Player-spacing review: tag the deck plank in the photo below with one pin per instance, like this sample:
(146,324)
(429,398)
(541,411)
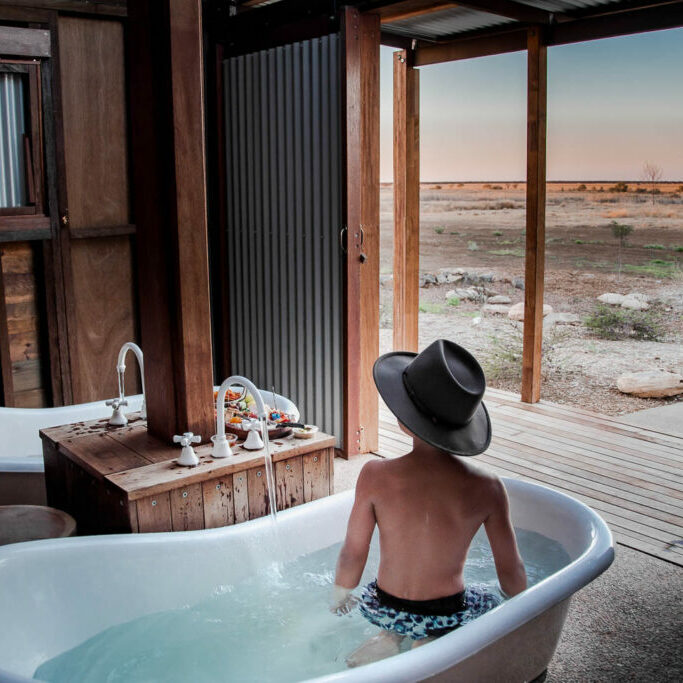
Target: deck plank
(632,476)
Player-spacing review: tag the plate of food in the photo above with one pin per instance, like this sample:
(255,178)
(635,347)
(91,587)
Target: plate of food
(241,406)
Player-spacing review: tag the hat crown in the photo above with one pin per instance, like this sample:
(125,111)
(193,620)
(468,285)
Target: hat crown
(445,382)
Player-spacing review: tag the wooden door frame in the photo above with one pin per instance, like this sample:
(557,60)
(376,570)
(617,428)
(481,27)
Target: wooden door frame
(360,118)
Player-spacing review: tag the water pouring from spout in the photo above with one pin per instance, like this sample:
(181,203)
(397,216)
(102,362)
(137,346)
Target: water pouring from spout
(221,447)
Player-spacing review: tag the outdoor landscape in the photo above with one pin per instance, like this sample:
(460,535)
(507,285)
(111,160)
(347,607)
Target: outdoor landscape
(623,238)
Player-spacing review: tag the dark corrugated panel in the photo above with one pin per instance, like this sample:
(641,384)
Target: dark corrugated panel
(284,164)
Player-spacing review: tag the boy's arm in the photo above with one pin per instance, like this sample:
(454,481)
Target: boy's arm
(501,535)
(354,552)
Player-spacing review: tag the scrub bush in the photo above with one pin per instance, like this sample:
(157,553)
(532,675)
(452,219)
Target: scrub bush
(606,322)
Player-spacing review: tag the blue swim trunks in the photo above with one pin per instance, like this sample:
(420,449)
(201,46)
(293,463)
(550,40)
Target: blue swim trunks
(425,618)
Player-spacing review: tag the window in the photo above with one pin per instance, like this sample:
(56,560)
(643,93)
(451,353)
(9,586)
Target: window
(21,163)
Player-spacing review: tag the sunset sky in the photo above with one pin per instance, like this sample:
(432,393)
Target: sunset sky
(613,105)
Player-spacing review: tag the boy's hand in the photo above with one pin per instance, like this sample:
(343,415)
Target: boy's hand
(342,600)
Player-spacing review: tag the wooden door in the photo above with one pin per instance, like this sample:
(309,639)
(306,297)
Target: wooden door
(94,204)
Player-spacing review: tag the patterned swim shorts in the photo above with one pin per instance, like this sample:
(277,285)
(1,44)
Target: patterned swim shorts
(477,600)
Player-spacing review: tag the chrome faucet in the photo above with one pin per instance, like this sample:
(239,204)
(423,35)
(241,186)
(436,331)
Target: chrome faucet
(118,418)
(221,447)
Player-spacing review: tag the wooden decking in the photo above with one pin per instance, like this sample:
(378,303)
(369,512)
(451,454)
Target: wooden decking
(631,475)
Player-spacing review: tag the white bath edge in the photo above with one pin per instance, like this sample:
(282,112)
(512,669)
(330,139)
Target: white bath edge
(429,660)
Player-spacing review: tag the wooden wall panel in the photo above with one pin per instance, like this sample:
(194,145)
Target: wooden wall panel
(100,296)
(91,53)
(102,271)
(23,332)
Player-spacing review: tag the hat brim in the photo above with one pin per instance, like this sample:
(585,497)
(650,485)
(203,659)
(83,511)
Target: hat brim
(472,439)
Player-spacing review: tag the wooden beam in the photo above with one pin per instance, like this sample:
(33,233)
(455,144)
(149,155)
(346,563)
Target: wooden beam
(24,42)
(361,90)
(100,8)
(406,202)
(394,40)
(513,41)
(618,24)
(535,216)
(167,131)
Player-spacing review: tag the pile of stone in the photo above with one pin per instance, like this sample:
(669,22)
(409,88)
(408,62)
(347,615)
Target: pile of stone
(634,301)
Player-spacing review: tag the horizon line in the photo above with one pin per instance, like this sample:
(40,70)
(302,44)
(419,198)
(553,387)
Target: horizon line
(508,182)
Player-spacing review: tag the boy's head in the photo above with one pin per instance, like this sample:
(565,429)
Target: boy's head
(436,395)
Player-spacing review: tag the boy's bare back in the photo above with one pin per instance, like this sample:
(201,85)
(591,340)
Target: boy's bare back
(428,505)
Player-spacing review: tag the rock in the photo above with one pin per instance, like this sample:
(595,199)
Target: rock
(651,383)
(634,304)
(495,308)
(587,276)
(441,278)
(564,318)
(427,279)
(518,283)
(453,278)
(500,299)
(517,311)
(469,294)
(611,298)
(639,296)
(386,280)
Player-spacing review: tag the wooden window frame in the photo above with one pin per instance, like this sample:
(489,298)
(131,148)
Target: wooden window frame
(30,222)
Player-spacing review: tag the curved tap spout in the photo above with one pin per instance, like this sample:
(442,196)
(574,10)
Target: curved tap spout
(121,370)
(220,442)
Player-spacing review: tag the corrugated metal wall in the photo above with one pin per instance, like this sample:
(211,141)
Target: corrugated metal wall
(284,180)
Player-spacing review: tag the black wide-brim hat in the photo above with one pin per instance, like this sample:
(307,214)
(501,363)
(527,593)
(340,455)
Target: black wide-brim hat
(437,395)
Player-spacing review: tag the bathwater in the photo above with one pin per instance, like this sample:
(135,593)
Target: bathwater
(273,626)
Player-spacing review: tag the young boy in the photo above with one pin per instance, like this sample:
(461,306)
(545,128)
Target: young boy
(428,505)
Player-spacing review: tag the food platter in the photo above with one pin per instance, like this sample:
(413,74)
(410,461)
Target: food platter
(242,407)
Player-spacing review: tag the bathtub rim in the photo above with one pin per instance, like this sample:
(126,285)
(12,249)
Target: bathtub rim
(430,659)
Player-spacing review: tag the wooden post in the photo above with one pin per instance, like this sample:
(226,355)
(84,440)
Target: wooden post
(167,131)
(406,202)
(361,410)
(535,216)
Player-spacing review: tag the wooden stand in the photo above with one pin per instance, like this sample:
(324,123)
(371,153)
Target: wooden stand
(123,479)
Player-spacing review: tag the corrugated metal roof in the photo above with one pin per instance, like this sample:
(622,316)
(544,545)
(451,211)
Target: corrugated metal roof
(451,21)
(445,23)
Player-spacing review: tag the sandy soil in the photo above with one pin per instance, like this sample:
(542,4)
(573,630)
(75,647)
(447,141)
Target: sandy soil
(480,228)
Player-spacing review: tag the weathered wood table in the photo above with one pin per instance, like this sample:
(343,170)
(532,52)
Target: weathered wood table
(122,479)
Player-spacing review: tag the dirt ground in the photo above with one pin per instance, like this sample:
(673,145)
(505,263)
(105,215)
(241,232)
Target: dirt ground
(479,229)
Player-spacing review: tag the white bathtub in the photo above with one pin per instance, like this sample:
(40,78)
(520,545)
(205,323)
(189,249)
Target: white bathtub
(54,594)
(22,479)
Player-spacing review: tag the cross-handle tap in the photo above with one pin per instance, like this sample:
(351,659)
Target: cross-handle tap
(187,456)
(117,419)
